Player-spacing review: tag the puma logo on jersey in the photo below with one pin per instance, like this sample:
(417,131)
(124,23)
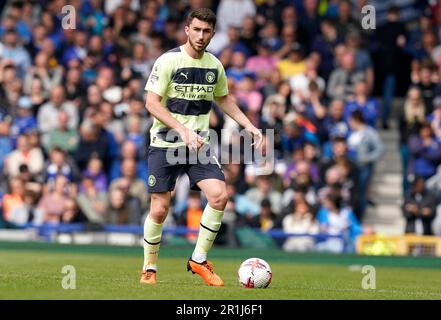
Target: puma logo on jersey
(185,75)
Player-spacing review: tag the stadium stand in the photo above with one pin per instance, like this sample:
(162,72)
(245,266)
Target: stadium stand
(356,115)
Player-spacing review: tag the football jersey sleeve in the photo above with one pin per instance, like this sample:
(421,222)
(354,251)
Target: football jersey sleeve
(160,77)
(221,85)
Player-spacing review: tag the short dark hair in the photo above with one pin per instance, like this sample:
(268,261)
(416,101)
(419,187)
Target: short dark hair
(357,115)
(203,14)
(23,168)
(393,9)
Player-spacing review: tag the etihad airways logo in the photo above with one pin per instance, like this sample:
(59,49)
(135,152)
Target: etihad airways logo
(193,88)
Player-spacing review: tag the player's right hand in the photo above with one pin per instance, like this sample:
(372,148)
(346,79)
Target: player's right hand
(192,140)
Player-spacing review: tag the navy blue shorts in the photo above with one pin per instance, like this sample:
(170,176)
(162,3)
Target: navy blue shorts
(162,173)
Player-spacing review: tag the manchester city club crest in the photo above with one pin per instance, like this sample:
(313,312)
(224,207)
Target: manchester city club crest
(152,180)
(210,77)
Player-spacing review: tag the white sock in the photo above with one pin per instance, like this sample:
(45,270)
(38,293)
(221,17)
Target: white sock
(198,257)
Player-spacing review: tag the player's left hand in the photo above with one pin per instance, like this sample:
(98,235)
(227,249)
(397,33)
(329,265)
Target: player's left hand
(257,136)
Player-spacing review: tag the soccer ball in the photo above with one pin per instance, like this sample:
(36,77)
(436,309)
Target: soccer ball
(255,273)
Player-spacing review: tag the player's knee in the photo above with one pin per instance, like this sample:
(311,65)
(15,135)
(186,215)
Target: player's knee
(219,200)
(158,212)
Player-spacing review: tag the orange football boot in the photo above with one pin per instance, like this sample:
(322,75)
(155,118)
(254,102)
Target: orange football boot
(205,270)
(148,277)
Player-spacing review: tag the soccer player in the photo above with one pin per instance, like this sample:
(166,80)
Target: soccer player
(181,87)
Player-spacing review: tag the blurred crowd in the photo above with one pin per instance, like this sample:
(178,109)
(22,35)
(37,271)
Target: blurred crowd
(74,128)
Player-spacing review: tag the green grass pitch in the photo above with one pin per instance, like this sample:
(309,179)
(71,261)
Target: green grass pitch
(33,271)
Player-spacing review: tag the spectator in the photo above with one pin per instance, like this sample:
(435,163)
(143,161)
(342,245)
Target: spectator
(57,164)
(300,83)
(332,124)
(28,212)
(5,140)
(92,202)
(62,136)
(435,118)
(419,205)
(24,120)
(93,100)
(273,111)
(237,71)
(264,220)
(11,86)
(30,182)
(294,63)
(361,101)
(39,34)
(289,37)
(345,21)
(14,51)
(71,211)
(123,209)
(310,20)
(250,98)
(365,147)
(270,10)
(339,157)
(113,126)
(342,80)
(235,175)
(14,199)
(134,133)
(301,222)
(339,222)
(48,113)
(301,187)
(193,214)
(24,154)
(49,77)
(410,119)
(37,95)
(52,204)
(140,65)
(130,183)
(262,64)
(324,44)
(270,34)
(295,135)
(392,38)
(263,190)
(129,151)
(78,50)
(93,142)
(363,60)
(300,167)
(243,206)
(424,81)
(248,35)
(95,171)
(232,12)
(75,88)
(336,183)
(425,152)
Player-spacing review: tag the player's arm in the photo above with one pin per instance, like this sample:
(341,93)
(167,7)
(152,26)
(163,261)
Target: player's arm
(229,107)
(157,110)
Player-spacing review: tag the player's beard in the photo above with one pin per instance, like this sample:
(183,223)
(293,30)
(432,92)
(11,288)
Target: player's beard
(195,48)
